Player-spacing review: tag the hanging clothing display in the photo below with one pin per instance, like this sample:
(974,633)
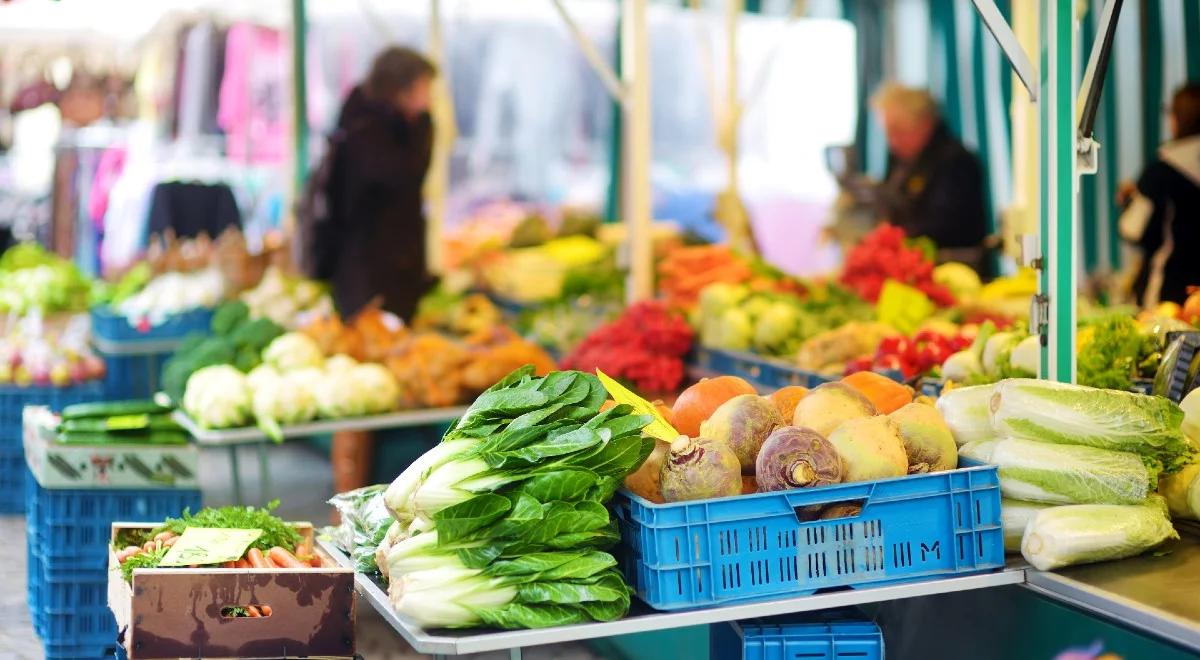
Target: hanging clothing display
(198,84)
(191,209)
(254,95)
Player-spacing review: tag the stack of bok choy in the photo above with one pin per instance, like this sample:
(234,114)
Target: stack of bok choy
(503,523)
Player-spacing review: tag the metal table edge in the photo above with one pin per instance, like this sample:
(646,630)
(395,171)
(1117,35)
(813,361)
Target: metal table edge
(441,644)
(252,435)
(1119,609)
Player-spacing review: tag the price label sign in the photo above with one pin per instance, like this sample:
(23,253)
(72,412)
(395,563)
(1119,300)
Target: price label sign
(658,428)
(207,545)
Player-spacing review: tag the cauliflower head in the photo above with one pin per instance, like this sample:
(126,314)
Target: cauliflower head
(292,351)
(218,397)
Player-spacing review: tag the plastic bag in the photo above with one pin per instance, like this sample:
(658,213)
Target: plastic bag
(365,521)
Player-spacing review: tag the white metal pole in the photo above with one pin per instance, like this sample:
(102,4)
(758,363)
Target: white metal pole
(437,181)
(635,203)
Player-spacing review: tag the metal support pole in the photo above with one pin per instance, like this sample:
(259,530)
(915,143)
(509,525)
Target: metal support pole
(445,132)
(1055,313)
(635,58)
(299,95)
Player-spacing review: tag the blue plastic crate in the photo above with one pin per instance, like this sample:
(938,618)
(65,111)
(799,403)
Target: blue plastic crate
(132,376)
(764,372)
(763,546)
(112,327)
(12,453)
(108,651)
(769,640)
(73,527)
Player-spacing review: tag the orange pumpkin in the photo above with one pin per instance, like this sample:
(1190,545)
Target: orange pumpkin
(786,398)
(698,402)
(887,395)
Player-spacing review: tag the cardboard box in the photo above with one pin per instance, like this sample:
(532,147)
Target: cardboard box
(123,466)
(177,612)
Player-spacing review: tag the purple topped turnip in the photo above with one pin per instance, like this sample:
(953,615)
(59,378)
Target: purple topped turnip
(699,468)
(794,457)
(743,423)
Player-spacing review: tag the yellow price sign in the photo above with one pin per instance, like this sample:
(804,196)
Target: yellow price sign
(208,545)
(658,428)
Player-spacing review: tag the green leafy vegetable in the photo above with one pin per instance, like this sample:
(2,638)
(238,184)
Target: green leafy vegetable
(1065,535)
(1070,474)
(1045,411)
(142,560)
(276,532)
(1113,352)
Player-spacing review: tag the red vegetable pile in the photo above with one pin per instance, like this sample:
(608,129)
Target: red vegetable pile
(884,255)
(911,356)
(644,347)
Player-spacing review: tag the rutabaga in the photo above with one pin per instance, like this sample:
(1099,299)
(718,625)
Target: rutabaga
(966,412)
(1014,517)
(1085,533)
(1045,411)
(1070,474)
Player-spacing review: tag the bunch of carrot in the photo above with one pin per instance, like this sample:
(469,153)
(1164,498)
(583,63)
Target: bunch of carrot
(275,557)
(685,271)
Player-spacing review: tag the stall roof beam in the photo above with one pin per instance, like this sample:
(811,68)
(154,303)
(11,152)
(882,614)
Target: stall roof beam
(607,76)
(1003,33)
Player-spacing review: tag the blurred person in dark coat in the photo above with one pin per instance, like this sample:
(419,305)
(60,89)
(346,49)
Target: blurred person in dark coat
(383,149)
(934,186)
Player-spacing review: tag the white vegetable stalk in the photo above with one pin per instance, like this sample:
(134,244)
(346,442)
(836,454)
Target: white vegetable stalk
(442,597)
(444,485)
(1014,517)
(967,413)
(399,495)
(1066,535)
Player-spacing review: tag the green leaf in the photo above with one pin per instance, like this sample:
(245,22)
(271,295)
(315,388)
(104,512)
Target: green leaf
(606,610)
(520,615)
(479,557)
(566,485)
(617,458)
(503,404)
(556,383)
(561,445)
(533,417)
(609,589)
(457,521)
(534,564)
(526,512)
(582,566)
(627,425)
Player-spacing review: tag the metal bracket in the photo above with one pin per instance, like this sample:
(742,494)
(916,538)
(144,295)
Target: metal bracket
(1004,36)
(1031,250)
(1087,154)
(1039,317)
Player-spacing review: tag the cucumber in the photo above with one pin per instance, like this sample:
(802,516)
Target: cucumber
(121,425)
(113,409)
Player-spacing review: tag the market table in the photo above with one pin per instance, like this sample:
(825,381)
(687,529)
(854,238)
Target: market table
(643,619)
(1156,593)
(233,438)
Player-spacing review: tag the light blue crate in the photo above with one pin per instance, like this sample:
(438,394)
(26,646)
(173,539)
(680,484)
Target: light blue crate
(770,545)
(773,640)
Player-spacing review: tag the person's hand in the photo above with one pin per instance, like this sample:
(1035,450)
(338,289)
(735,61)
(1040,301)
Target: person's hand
(1125,192)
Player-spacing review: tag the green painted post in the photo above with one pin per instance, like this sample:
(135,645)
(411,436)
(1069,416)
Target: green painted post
(1058,188)
(300,92)
(612,197)
(1191,22)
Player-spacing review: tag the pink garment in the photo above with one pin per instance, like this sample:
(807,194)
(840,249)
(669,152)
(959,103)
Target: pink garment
(108,170)
(255,101)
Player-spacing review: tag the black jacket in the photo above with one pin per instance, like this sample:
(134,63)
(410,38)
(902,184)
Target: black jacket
(377,220)
(1170,233)
(940,195)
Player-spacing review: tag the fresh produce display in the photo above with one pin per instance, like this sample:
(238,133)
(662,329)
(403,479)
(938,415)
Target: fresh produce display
(735,317)
(503,524)
(794,457)
(279,546)
(884,393)
(921,354)
(686,271)
(885,255)
(142,422)
(40,351)
(927,439)
(698,402)
(452,313)
(1014,517)
(1084,533)
(172,293)
(829,405)
(829,352)
(32,279)
(541,273)
(1101,453)
(1181,490)
(287,300)
(644,347)
(561,326)
(743,423)
(700,468)
(236,340)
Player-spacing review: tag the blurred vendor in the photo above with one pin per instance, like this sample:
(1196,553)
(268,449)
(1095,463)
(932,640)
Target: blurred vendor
(934,187)
(1163,213)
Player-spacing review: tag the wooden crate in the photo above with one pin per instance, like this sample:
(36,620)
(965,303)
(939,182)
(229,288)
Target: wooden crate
(176,612)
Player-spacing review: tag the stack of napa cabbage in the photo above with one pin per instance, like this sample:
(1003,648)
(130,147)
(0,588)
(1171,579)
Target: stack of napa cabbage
(1078,466)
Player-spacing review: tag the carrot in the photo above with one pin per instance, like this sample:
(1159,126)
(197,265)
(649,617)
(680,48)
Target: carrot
(252,612)
(256,558)
(266,610)
(228,564)
(315,562)
(242,563)
(149,546)
(163,536)
(127,553)
(170,542)
(285,559)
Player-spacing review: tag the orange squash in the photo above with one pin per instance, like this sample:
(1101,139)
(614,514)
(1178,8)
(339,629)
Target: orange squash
(887,395)
(698,402)
(785,400)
